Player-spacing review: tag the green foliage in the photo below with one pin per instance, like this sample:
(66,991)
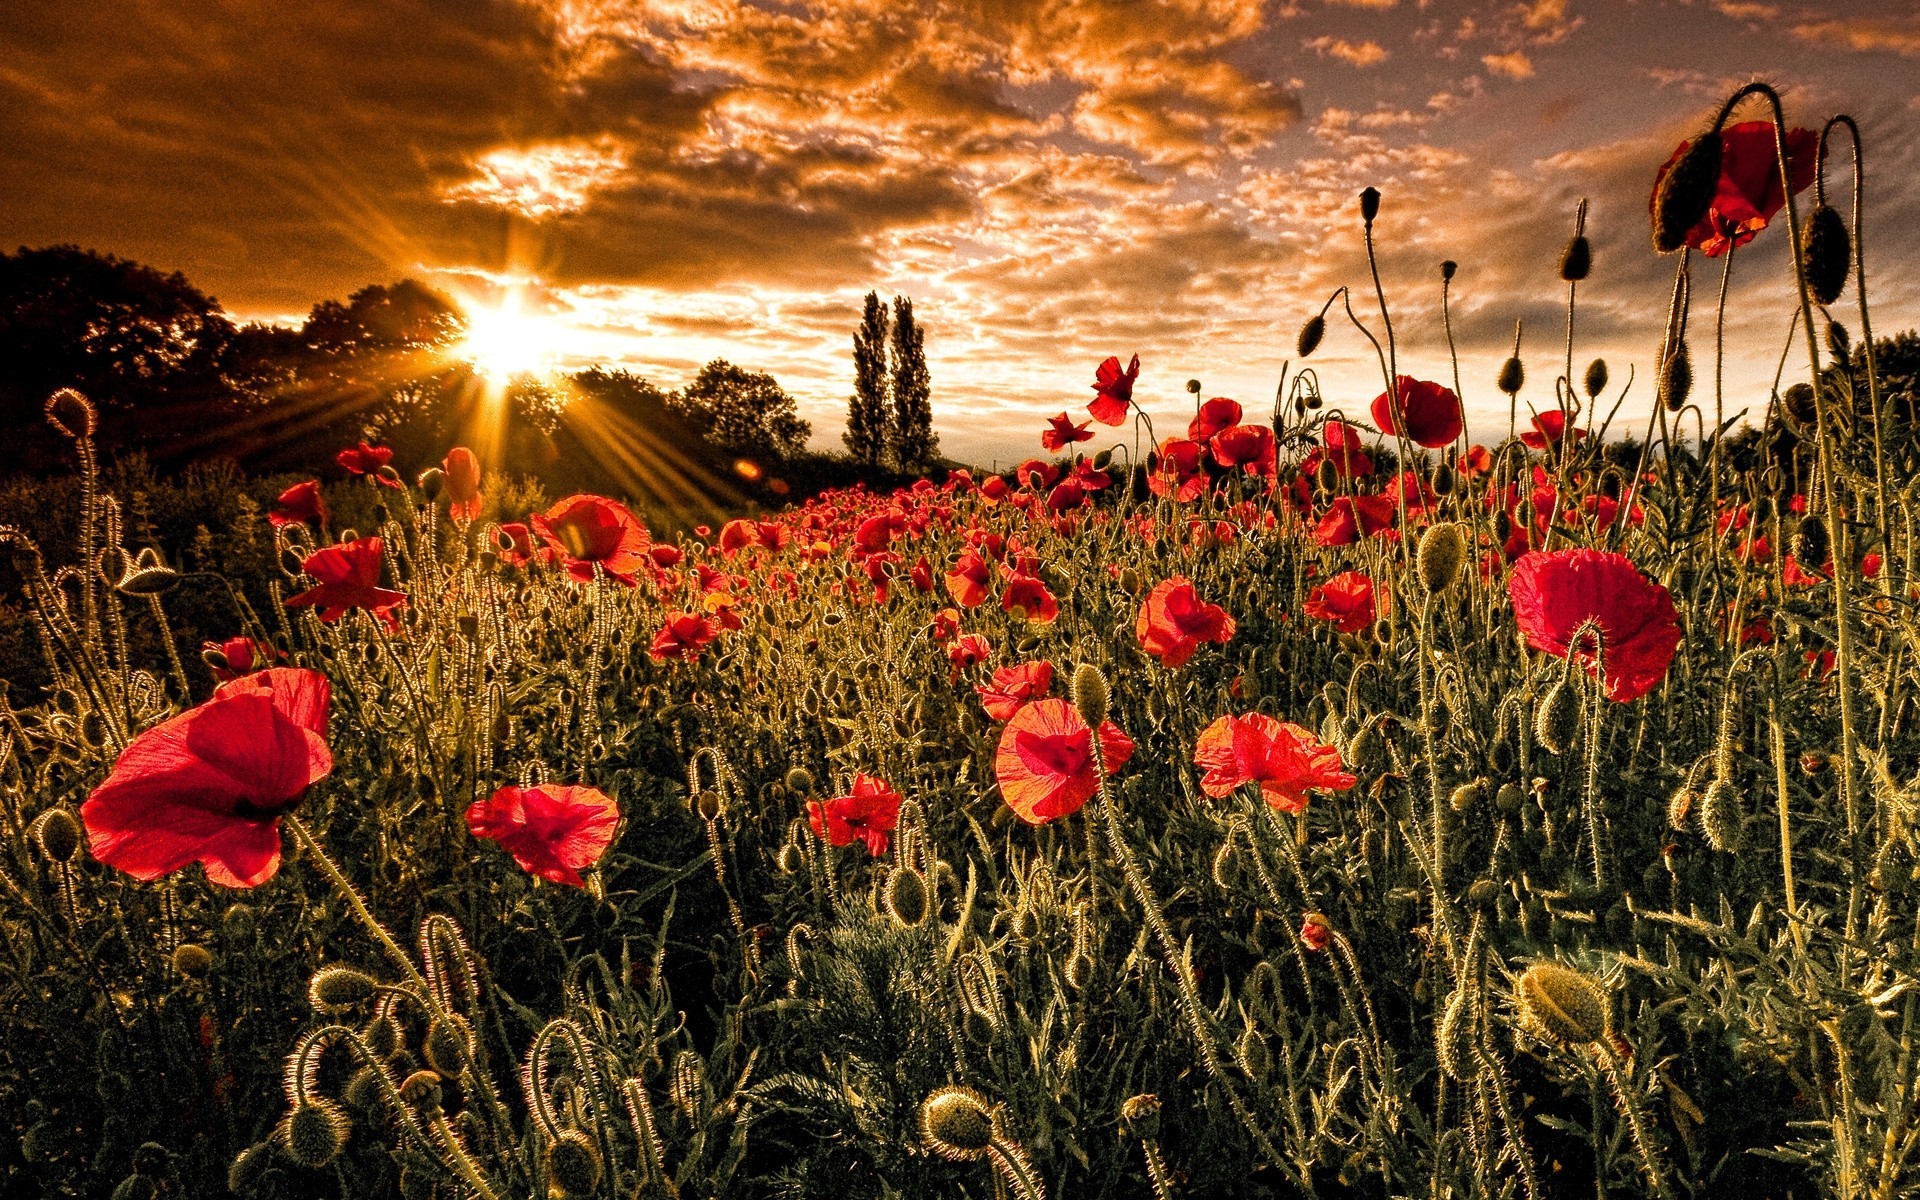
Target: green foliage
(742,412)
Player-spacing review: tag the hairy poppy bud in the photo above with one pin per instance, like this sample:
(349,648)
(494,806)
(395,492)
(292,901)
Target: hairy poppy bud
(1325,477)
(573,1163)
(800,781)
(57,834)
(147,575)
(1463,798)
(1509,798)
(1090,696)
(1686,192)
(1443,480)
(956,1124)
(1577,260)
(1079,971)
(192,960)
(1680,806)
(135,1187)
(1369,204)
(709,804)
(1720,816)
(337,988)
(71,413)
(1310,334)
(1453,1040)
(791,859)
(1676,378)
(1811,544)
(422,1089)
(315,1132)
(1596,377)
(1443,550)
(1828,253)
(1482,892)
(1447,268)
(1513,375)
(382,1035)
(1798,403)
(446,1046)
(906,896)
(431,481)
(1140,1116)
(249,1169)
(1839,341)
(1558,1004)
(1557,720)
(1252,1054)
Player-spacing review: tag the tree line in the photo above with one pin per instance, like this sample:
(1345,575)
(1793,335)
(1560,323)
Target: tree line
(890,414)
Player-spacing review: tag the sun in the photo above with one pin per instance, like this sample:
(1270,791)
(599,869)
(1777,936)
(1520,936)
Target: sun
(505,342)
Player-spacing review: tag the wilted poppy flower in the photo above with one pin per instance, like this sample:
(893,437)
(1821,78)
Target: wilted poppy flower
(1179,470)
(1012,687)
(1316,933)
(1433,412)
(1114,391)
(1029,595)
(552,831)
(1350,518)
(969,580)
(967,653)
(1249,446)
(1749,192)
(1556,592)
(210,785)
(867,814)
(1286,761)
(1045,763)
(462,471)
(1174,622)
(1216,414)
(236,656)
(367,460)
(1548,428)
(683,637)
(1061,432)
(1346,600)
(588,530)
(349,576)
(300,504)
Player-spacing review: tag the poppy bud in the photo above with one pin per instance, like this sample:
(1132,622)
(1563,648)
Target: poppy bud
(1686,192)
(956,1124)
(1811,544)
(431,481)
(1680,806)
(249,1169)
(315,1132)
(1325,477)
(1676,379)
(1310,335)
(71,413)
(1369,204)
(1509,798)
(1482,892)
(387,473)
(1140,1116)
(1513,374)
(1026,924)
(192,960)
(1596,377)
(1443,549)
(469,626)
(1813,762)
(906,896)
(1090,696)
(709,804)
(422,1090)
(1720,816)
(1252,1053)
(573,1164)
(1364,748)
(382,1035)
(135,1187)
(1453,1040)
(1447,269)
(1577,260)
(447,1046)
(57,834)
(1828,252)
(800,781)
(1193,386)
(334,989)
(1557,720)
(1130,581)
(1443,480)
(1468,794)
(147,575)
(215,658)
(1839,341)
(1079,971)
(1558,1004)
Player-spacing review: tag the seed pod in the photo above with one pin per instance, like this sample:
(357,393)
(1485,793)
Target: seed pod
(1557,721)
(1140,1117)
(1310,335)
(315,1132)
(1720,816)
(906,896)
(1561,1005)
(1577,260)
(192,960)
(338,988)
(1680,806)
(1443,549)
(956,1124)
(573,1164)
(1828,254)
(1252,1054)
(1369,204)
(1453,1040)
(1676,378)
(1090,696)
(1686,192)
(1447,268)
(1513,376)
(57,834)
(1811,544)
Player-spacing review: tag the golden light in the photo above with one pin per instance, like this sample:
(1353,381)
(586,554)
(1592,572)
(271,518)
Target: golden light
(506,341)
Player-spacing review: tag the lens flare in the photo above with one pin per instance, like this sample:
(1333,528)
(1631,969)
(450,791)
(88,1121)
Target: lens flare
(505,342)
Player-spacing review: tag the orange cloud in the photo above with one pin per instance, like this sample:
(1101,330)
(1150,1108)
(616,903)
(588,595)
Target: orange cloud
(1896,35)
(1358,54)
(1515,65)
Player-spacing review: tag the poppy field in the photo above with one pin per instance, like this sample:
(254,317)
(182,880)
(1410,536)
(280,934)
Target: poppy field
(1325,799)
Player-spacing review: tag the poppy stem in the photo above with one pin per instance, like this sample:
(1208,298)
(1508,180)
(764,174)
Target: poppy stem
(304,838)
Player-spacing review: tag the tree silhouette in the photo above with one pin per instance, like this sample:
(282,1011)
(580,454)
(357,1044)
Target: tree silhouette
(869,416)
(915,447)
(743,412)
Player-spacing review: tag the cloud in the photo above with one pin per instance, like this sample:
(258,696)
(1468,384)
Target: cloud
(1896,35)
(541,181)
(1515,65)
(1360,54)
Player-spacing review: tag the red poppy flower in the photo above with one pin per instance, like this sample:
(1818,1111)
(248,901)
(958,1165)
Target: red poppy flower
(349,576)
(462,472)
(966,654)
(1012,687)
(995,489)
(1061,432)
(1179,470)
(300,504)
(1345,450)
(735,536)
(1556,592)
(552,831)
(515,543)
(867,814)
(1478,460)
(1286,761)
(1433,412)
(1870,565)
(585,530)
(1216,414)
(1249,446)
(1346,600)
(1316,932)
(921,574)
(1749,192)
(664,556)
(242,656)
(1548,428)
(1796,575)
(1350,518)
(683,637)
(1065,495)
(209,785)
(1045,763)
(1114,391)
(1026,593)
(1174,621)
(969,580)
(946,624)
(367,460)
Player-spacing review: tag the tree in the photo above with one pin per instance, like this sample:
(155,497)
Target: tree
(743,412)
(869,433)
(915,446)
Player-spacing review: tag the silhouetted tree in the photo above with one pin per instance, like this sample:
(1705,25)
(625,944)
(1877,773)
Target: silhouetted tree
(869,417)
(915,447)
(743,412)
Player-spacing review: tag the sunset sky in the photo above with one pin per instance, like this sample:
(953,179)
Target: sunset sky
(1051,182)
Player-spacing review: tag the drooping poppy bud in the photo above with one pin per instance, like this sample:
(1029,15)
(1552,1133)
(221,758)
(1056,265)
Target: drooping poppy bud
(956,1124)
(1310,334)
(1828,251)
(1676,378)
(1685,193)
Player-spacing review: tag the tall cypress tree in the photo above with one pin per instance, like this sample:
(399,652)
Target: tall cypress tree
(869,417)
(914,444)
